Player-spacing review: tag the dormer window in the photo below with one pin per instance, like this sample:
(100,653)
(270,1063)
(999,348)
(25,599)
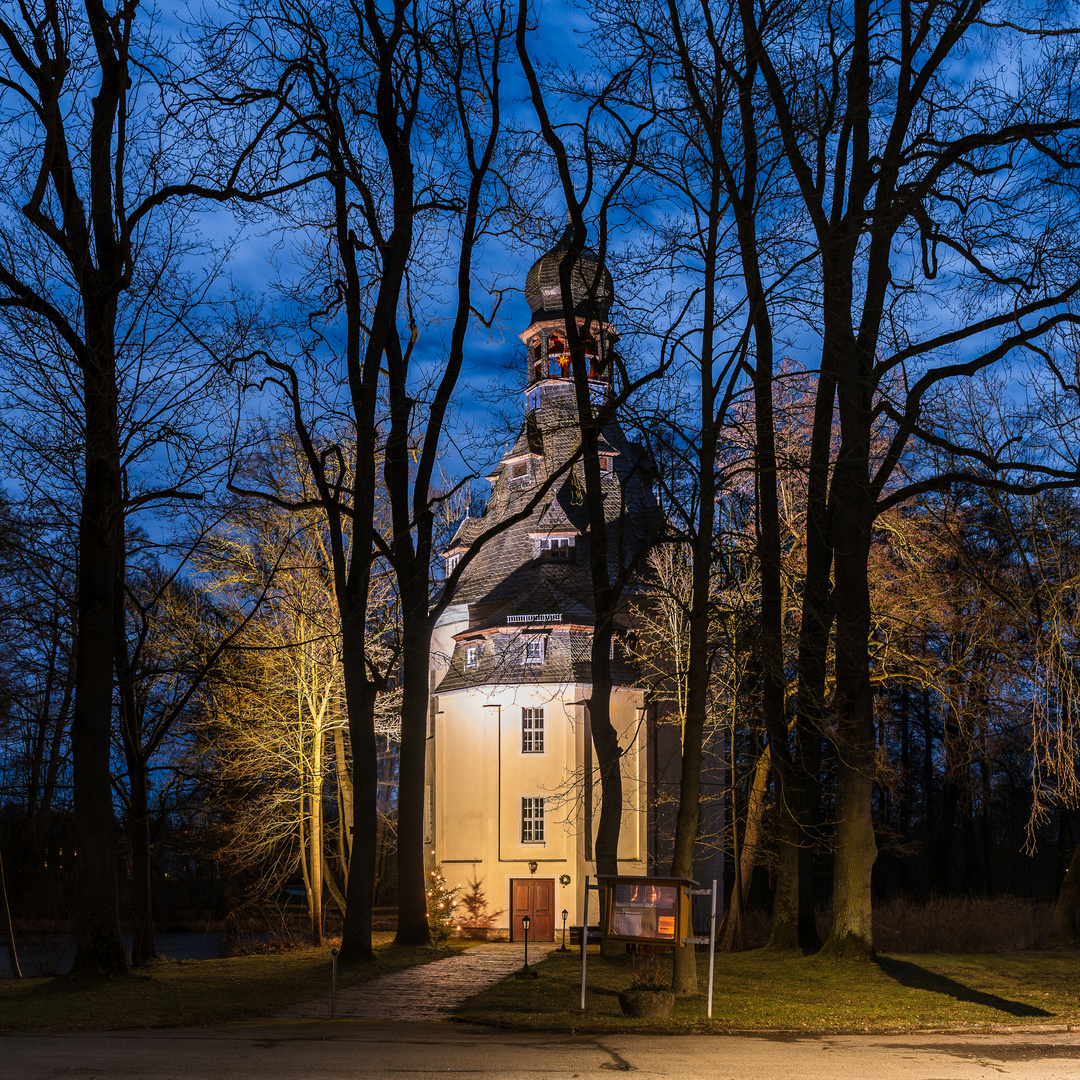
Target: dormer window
(535,649)
(607,465)
(452,560)
(520,469)
(472,656)
(555,547)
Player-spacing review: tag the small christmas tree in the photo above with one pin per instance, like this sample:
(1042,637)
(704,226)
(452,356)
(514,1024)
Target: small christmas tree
(441,905)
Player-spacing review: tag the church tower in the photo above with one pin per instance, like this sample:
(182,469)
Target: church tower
(513,787)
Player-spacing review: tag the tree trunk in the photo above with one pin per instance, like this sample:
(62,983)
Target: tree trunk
(99,947)
(856,848)
(747,856)
(360,704)
(143,949)
(814,631)
(142,912)
(9,933)
(315,835)
(1067,908)
(416,657)
(345,802)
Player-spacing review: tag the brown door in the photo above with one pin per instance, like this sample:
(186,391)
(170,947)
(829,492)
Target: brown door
(534,897)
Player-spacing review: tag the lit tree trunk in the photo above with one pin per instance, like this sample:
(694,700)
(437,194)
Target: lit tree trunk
(856,848)
(315,832)
(747,854)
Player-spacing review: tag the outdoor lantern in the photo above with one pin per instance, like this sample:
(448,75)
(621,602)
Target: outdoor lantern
(565,915)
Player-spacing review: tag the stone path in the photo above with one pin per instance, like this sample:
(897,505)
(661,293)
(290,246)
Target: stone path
(426,992)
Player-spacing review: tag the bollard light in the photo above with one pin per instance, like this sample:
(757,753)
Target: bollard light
(333,984)
(565,914)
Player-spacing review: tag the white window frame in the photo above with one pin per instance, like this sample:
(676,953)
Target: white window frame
(532,819)
(534,649)
(547,546)
(452,560)
(607,464)
(532,730)
(472,655)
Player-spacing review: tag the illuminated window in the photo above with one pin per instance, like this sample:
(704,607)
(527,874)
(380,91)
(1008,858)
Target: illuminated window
(607,465)
(532,819)
(532,731)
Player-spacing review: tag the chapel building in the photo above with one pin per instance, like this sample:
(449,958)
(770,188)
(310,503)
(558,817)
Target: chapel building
(513,787)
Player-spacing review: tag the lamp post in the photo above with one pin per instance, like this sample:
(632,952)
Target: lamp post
(562,947)
(525,973)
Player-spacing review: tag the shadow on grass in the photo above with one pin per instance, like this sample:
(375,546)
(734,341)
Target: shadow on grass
(918,978)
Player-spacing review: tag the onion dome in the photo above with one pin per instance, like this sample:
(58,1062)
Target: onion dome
(591,286)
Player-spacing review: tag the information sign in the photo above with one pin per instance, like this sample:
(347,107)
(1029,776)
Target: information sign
(647,910)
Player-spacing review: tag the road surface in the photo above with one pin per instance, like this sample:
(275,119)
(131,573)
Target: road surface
(366,1050)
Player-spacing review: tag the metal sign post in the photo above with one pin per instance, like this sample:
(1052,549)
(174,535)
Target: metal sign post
(585,934)
(710,941)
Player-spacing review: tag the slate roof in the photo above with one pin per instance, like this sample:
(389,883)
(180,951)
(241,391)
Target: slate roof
(509,580)
(592,288)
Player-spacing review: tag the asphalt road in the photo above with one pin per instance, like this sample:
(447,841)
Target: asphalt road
(345,1049)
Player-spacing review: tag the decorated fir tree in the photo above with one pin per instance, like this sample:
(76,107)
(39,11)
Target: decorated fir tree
(441,905)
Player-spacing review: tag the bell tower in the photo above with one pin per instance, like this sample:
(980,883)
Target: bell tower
(546,339)
(513,785)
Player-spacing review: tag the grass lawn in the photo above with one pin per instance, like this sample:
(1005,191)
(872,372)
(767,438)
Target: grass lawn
(765,992)
(189,993)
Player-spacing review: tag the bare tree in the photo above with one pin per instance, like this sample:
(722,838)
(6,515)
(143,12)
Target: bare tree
(896,149)
(88,159)
(596,158)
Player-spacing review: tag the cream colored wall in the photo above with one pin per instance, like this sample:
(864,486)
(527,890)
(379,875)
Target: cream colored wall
(479,769)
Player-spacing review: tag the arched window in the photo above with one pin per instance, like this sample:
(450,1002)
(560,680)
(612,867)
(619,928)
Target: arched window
(558,357)
(592,351)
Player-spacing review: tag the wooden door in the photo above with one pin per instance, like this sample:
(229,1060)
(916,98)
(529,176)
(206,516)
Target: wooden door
(534,897)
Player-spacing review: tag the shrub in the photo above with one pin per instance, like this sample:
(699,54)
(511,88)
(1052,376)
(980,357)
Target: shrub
(961,924)
(648,972)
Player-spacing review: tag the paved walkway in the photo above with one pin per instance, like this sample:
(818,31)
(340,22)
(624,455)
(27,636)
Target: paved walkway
(426,992)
